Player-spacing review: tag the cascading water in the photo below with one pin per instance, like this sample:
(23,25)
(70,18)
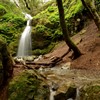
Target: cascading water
(25,44)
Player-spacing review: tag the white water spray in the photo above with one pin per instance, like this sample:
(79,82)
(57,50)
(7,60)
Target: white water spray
(25,44)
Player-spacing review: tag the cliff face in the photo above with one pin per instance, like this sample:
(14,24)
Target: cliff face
(6,69)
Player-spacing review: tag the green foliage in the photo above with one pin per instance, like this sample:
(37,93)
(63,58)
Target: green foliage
(2,10)
(73,9)
(7,17)
(44,50)
(57,35)
(47,24)
(2,39)
(40,28)
(27,86)
(11,24)
(18,22)
(13,45)
(54,19)
(51,9)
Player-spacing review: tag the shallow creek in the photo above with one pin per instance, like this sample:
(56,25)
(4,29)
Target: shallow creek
(62,77)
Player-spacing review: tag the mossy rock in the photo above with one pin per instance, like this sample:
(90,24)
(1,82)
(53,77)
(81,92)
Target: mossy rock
(40,37)
(90,92)
(45,50)
(28,85)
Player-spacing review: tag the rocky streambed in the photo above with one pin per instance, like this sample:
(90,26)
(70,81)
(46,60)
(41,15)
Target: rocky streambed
(75,84)
(56,83)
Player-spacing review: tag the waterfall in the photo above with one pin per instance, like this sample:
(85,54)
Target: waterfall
(52,94)
(78,94)
(25,43)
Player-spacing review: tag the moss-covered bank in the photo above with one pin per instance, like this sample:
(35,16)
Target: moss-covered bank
(46,26)
(12,23)
(29,85)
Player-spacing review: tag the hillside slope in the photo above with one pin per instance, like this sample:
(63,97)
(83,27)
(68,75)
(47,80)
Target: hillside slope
(84,71)
(90,47)
(88,41)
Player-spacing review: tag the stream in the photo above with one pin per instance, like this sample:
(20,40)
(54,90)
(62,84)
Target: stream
(60,78)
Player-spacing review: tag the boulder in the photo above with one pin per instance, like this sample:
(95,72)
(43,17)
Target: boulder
(69,94)
(29,85)
(90,91)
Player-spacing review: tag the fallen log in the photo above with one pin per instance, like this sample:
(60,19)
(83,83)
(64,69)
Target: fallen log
(51,62)
(39,63)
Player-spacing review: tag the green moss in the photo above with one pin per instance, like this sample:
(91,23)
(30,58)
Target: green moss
(27,86)
(73,9)
(40,29)
(90,92)
(2,10)
(45,50)
(13,45)
(54,18)
(47,24)
(51,9)
(18,22)
(11,26)
(57,35)
(2,39)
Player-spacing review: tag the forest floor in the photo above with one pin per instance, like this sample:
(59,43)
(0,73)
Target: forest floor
(90,48)
(88,41)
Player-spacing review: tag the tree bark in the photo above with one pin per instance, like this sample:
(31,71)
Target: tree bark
(6,70)
(27,5)
(92,11)
(76,51)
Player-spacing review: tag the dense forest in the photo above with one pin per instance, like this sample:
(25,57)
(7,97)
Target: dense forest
(49,49)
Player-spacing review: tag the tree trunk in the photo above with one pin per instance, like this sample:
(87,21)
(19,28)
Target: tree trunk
(76,51)
(92,11)
(27,5)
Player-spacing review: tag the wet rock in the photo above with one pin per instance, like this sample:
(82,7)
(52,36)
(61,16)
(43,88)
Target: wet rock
(19,60)
(37,59)
(30,58)
(69,94)
(66,65)
(64,91)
